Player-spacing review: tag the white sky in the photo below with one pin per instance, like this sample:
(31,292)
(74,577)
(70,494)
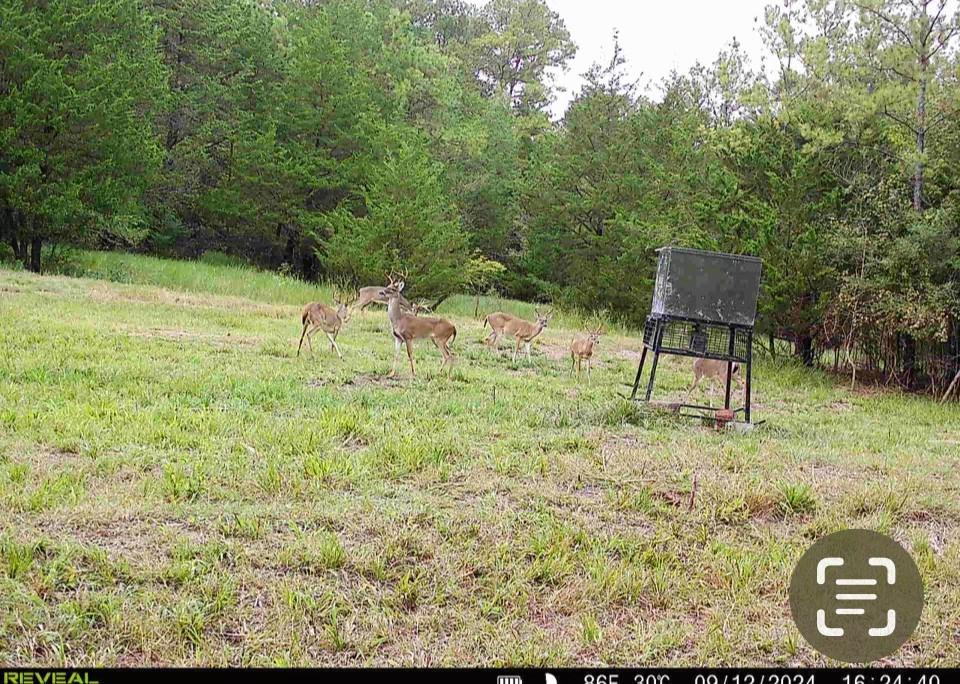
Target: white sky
(657,36)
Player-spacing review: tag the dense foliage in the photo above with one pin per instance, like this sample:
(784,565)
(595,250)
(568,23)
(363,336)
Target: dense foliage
(347,138)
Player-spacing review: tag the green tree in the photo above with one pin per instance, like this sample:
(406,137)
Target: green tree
(404,222)
(79,87)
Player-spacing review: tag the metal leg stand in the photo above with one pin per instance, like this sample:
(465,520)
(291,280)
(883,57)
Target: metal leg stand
(656,357)
(726,396)
(636,382)
(746,391)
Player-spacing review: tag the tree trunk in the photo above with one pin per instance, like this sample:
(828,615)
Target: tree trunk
(35,245)
(909,360)
(921,141)
(803,348)
(953,383)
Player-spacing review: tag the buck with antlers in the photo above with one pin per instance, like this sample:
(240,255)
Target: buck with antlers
(408,327)
(523,331)
(318,316)
(371,295)
(581,348)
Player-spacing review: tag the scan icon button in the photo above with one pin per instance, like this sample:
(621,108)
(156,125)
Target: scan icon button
(856,596)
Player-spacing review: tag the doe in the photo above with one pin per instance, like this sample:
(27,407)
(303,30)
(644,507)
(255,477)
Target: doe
(581,348)
(713,370)
(317,316)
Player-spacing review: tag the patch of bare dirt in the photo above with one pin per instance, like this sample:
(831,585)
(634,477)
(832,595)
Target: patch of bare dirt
(51,459)
(840,406)
(176,335)
(368,379)
(629,354)
(106,293)
(136,539)
(555,352)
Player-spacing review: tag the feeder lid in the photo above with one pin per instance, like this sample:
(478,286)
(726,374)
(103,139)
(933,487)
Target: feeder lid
(713,287)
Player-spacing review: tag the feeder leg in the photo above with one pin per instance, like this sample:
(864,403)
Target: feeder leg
(726,396)
(636,382)
(746,390)
(657,341)
(653,373)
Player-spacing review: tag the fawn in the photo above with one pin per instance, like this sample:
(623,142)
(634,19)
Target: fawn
(581,347)
(317,316)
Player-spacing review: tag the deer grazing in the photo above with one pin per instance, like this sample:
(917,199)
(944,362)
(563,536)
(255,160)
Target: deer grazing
(713,370)
(581,348)
(523,331)
(317,316)
(407,328)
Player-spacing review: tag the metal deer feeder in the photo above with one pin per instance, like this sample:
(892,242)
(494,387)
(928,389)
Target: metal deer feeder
(704,305)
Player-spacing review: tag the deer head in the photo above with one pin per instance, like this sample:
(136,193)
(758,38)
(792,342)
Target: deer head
(543,319)
(595,334)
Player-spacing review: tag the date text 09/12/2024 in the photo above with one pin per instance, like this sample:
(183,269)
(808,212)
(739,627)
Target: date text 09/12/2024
(764,678)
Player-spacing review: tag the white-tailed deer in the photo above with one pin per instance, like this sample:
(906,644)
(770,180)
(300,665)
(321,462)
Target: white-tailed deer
(713,370)
(371,295)
(317,316)
(407,328)
(523,331)
(581,348)
(497,322)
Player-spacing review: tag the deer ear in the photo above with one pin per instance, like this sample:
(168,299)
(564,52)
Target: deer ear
(400,286)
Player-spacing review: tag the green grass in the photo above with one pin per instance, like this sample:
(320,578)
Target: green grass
(177,487)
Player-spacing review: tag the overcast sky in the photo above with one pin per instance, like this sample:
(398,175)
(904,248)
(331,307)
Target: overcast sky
(657,36)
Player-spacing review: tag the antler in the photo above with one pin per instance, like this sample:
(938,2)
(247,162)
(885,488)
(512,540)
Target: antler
(342,291)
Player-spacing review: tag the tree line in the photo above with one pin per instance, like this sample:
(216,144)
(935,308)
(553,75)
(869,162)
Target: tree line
(343,139)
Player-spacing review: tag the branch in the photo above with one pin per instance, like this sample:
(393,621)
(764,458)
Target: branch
(900,121)
(880,15)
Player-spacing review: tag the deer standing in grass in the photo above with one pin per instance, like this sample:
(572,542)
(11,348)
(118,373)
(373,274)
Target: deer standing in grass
(317,316)
(581,348)
(523,331)
(407,328)
(497,322)
(713,370)
(371,295)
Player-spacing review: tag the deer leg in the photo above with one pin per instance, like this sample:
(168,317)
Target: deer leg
(527,346)
(396,355)
(739,381)
(302,335)
(413,372)
(333,344)
(310,334)
(443,354)
(516,350)
(447,356)
(589,367)
(696,381)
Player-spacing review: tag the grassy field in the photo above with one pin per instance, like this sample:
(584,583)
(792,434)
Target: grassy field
(177,487)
